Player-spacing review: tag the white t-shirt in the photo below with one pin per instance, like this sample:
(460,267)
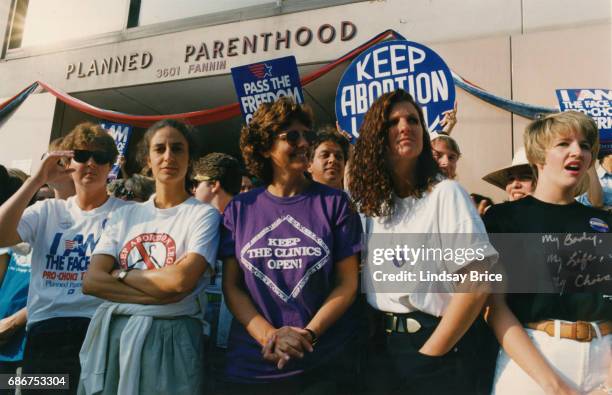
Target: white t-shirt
(144,237)
(63,238)
(447,209)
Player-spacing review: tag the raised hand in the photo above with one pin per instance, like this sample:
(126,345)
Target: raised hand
(449,120)
(52,170)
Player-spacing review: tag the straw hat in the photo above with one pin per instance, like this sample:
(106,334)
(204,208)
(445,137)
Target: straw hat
(500,177)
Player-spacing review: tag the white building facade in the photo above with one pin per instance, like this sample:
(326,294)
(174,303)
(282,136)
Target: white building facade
(155,57)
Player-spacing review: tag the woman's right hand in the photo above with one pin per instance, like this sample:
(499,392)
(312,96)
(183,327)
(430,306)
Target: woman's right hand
(286,343)
(51,168)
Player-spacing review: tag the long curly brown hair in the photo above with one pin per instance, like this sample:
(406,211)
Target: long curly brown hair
(257,137)
(371,184)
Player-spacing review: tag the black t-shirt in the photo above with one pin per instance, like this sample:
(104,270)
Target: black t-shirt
(530,215)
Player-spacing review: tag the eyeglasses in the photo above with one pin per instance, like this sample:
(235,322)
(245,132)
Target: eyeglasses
(293,136)
(100,157)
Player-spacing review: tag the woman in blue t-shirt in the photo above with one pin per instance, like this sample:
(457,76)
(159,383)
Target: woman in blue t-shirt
(14,281)
(290,264)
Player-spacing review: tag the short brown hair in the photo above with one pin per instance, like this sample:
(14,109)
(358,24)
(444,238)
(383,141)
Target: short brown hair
(220,167)
(90,136)
(269,120)
(539,133)
(329,134)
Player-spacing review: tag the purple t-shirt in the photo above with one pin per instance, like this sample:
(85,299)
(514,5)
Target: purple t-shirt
(287,249)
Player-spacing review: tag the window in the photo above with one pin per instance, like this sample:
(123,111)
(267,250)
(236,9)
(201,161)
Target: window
(156,11)
(44,22)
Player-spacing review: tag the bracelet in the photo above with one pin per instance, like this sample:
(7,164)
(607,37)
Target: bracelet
(313,335)
(605,388)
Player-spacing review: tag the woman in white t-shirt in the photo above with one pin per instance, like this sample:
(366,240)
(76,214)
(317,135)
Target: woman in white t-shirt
(150,265)
(430,342)
(63,234)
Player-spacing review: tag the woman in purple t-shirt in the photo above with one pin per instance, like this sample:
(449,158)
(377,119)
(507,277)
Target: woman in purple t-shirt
(290,266)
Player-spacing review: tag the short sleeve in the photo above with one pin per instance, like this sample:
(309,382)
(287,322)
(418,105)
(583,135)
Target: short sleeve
(5,251)
(460,225)
(347,231)
(109,241)
(204,239)
(32,218)
(491,220)
(228,237)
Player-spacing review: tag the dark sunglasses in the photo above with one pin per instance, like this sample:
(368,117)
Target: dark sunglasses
(100,157)
(293,136)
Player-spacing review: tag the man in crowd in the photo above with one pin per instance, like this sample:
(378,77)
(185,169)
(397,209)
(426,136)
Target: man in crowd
(328,156)
(218,177)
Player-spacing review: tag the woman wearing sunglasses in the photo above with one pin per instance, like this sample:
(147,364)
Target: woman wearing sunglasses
(63,235)
(149,265)
(430,344)
(290,266)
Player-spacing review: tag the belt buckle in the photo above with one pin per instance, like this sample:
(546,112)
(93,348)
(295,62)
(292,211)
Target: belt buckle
(580,331)
(402,324)
(412,325)
(393,323)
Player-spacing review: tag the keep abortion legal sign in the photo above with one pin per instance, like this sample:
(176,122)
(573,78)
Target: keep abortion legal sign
(596,103)
(265,82)
(392,65)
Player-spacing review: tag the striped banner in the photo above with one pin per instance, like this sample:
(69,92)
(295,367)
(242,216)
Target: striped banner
(222,113)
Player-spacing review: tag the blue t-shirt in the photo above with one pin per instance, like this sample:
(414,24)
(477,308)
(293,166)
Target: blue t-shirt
(13,297)
(287,249)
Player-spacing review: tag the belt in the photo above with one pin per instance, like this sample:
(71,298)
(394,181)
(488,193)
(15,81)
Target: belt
(581,331)
(408,323)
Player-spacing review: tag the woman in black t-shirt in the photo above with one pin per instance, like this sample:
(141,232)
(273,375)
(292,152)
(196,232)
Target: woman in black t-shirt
(555,343)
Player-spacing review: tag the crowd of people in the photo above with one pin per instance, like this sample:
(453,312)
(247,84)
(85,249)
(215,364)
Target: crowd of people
(121,272)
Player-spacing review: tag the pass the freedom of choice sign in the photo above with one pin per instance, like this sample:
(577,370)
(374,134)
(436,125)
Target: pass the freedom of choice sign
(265,82)
(596,103)
(392,65)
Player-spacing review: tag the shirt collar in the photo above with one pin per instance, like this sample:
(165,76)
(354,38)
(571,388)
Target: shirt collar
(602,173)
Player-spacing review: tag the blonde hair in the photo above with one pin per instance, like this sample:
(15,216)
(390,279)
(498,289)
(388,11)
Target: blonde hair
(450,142)
(539,134)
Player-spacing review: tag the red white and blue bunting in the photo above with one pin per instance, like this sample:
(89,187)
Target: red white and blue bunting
(207,116)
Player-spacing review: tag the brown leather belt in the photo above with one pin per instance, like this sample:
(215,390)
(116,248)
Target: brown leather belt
(581,331)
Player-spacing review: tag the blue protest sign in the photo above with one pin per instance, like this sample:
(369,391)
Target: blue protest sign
(265,82)
(121,134)
(596,103)
(392,65)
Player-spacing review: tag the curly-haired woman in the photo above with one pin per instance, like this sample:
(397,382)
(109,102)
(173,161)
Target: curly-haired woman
(429,339)
(290,265)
